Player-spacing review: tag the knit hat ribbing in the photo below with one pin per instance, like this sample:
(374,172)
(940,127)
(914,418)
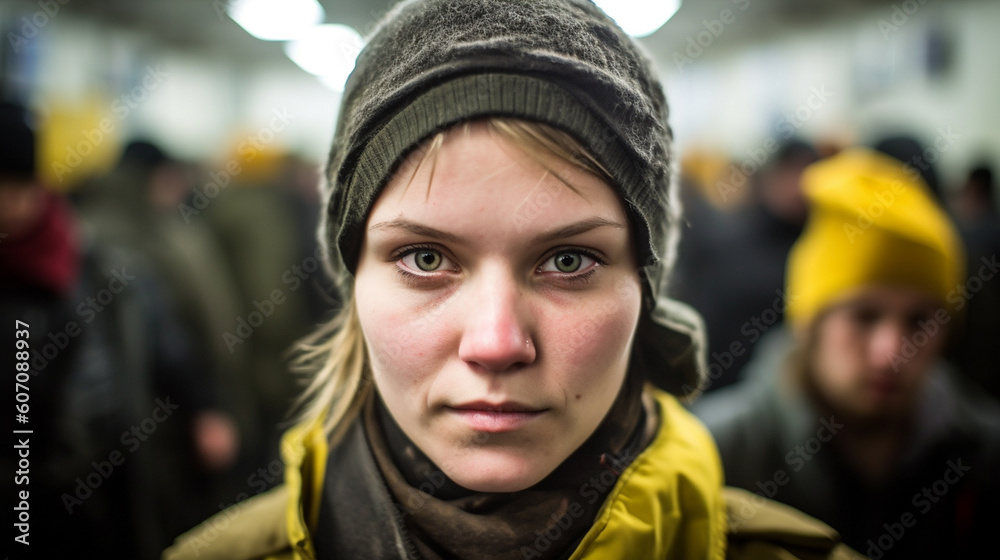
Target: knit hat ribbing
(435,63)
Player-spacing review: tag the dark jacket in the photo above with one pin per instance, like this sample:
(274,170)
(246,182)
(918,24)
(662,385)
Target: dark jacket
(112,383)
(940,502)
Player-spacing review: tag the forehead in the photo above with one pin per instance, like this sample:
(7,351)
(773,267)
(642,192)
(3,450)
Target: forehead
(888,299)
(476,171)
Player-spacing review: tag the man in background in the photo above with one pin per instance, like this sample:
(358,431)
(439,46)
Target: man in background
(849,415)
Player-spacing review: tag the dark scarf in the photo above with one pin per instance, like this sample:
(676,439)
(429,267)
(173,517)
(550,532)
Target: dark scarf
(414,511)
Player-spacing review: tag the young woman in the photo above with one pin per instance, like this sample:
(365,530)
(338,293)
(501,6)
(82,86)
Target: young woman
(500,221)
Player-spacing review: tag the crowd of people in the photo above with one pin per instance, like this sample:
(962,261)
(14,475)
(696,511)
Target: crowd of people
(842,355)
(155,337)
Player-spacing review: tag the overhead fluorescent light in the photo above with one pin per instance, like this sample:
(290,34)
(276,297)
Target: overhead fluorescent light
(327,51)
(276,20)
(640,18)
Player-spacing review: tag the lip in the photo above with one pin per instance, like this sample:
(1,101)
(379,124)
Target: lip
(496,418)
(885,389)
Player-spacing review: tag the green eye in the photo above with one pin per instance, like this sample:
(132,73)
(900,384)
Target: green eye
(568,262)
(424,261)
(427,261)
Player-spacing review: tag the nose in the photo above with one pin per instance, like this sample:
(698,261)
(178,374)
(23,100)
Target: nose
(496,336)
(886,346)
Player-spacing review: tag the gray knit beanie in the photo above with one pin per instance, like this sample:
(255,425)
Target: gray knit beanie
(432,64)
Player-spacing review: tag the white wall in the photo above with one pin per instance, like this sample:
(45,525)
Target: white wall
(197,105)
(732,96)
(735,95)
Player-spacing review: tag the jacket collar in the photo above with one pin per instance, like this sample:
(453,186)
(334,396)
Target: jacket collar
(667,503)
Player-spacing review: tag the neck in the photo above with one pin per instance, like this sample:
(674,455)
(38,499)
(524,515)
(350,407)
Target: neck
(871,445)
(873,455)
(453,521)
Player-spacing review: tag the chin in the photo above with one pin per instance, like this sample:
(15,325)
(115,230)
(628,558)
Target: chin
(873,410)
(496,471)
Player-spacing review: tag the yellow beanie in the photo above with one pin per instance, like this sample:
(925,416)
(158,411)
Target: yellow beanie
(872,221)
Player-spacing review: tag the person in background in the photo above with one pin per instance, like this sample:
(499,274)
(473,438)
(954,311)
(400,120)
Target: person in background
(299,178)
(116,394)
(730,267)
(975,202)
(276,272)
(134,208)
(975,210)
(911,152)
(850,414)
(972,345)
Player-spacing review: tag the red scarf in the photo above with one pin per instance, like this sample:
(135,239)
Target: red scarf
(47,255)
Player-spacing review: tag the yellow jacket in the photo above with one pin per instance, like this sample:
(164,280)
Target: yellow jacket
(668,504)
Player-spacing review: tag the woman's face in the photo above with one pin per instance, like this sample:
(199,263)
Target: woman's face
(498,306)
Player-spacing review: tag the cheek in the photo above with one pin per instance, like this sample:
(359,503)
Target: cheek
(916,368)
(839,356)
(403,343)
(929,346)
(594,336)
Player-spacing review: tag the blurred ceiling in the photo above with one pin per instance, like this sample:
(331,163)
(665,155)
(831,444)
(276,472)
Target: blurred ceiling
(203,27)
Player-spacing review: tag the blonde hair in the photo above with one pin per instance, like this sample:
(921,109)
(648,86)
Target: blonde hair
(335,357)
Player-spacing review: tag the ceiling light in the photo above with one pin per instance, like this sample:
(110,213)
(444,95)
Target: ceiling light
(640,17)
(274,20)
(328,51)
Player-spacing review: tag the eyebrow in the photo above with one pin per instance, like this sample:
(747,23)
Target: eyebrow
(415,228)
(576,229)
(544,237)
